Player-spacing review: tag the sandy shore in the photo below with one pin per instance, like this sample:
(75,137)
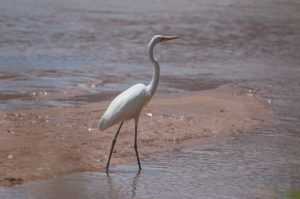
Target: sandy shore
(48,142)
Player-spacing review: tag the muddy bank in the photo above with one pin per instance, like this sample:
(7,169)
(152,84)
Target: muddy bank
(48,142)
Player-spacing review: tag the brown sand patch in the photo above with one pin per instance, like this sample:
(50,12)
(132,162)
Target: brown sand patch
(42,143)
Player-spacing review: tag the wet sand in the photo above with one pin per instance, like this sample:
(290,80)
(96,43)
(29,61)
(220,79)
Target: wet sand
(49,142)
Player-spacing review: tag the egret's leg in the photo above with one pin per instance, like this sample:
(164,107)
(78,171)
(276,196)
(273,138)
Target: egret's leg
(135,147)
(112,146)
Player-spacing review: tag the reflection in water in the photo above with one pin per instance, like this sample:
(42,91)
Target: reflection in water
(114,190)
(134,183)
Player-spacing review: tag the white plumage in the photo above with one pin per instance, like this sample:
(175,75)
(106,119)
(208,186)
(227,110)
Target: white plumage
(125,106)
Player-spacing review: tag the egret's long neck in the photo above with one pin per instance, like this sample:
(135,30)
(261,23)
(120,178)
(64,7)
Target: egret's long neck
(155,78)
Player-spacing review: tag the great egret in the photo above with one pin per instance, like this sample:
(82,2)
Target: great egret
(130,102)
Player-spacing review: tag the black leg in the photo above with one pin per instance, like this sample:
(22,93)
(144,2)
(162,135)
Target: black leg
(135,147)
(112,147)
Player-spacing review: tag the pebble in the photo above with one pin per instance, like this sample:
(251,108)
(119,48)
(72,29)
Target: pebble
(149,114)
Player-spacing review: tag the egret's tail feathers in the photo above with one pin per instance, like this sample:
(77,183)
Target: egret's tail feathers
(105,122)
(102,124)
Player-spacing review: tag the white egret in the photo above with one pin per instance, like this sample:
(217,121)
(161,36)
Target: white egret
(130,102)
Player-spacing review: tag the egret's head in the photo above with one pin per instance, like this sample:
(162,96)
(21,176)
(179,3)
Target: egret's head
(160,38)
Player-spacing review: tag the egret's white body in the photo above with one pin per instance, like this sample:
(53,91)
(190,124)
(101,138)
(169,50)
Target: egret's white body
(130,102)
(125,106)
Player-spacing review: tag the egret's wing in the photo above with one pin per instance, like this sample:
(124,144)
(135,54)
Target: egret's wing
(125,106)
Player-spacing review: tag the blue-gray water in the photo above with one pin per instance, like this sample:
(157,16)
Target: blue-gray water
(99,48)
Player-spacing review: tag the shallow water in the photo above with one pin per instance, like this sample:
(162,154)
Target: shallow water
(92,47)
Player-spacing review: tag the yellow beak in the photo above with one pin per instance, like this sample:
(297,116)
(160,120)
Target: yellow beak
(170,37)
